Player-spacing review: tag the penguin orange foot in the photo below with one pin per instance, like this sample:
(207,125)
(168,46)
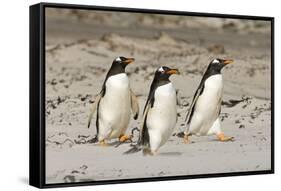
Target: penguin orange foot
(103,143)
(154,153)
(185,139)
(124,138)
(148,152)
(224,138)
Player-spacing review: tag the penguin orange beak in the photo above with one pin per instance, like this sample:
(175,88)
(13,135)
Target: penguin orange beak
(173,71)
(227,62)
(129,60)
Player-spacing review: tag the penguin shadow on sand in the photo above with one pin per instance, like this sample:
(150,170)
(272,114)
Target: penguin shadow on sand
(170,154)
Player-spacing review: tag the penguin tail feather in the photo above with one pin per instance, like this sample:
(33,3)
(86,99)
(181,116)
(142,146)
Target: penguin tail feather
(89,123)
(93,108)
(90,118)
(136,116)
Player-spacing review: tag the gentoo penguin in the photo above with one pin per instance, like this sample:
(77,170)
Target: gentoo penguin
(114,103)
(160,112)
(203,115)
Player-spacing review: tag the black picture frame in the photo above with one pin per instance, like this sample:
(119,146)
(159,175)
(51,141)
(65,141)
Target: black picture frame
(37,94)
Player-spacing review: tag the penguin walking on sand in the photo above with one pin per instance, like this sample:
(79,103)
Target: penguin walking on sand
(114,104)
(203,116)
(160,112)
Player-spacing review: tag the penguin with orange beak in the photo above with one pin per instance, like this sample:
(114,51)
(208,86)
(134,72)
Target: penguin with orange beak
(160,112)
(115,103)
(203,115)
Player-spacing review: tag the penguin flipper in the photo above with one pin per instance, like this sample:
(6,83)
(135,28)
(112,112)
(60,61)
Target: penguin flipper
(93,108)
(193,103)
(144,135)
(134,104)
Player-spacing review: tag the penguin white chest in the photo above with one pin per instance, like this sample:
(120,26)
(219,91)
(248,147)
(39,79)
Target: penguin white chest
(208,105)
(117,82)
(211,94)
(114,108)
(162,117)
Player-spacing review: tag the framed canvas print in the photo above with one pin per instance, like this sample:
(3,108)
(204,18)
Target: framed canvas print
(123,95)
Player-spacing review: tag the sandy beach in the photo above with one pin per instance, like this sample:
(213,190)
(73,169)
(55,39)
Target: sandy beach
(79,52)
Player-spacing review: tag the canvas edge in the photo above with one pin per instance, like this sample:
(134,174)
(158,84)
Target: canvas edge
(37,150)
(36,114)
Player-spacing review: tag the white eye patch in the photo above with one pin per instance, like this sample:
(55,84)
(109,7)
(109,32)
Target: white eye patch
(118,59)
(161,69)
(216,61)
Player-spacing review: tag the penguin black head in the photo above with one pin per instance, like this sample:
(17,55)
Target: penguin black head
(119,64)
(217,64)
(164,72)
(122,61)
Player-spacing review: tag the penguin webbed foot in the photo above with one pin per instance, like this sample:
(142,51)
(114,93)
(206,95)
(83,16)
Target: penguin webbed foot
(125,138)
(103,143)
(223,138)
(149,152)
(186,138)
(153,153)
